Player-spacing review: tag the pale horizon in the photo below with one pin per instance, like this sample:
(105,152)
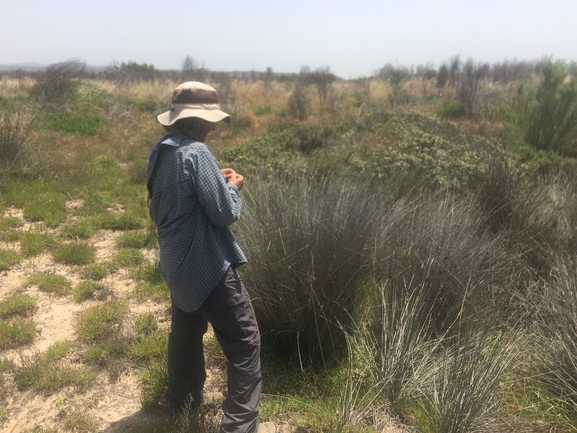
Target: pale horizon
(353,40)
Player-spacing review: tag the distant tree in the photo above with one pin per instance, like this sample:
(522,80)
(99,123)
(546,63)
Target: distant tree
(442,76)
(468,87)
(323,80)
(191,70)
(454,70)
(268,75)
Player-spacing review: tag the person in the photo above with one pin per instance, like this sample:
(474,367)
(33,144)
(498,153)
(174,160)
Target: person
(193,203)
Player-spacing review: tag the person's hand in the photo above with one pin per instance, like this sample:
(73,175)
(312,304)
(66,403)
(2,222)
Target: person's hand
(233,177)
(227,173)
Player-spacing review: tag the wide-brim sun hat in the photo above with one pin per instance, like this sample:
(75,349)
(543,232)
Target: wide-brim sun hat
(194,99)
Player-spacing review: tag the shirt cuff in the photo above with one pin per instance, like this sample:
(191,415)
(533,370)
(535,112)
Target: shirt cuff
(233,186)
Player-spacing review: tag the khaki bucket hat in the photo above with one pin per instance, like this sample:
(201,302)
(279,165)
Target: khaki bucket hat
(194,99)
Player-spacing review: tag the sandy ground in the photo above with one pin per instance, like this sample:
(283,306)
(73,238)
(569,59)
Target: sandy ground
(114,401)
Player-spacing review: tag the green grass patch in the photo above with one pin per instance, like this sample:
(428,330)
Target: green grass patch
(150,284)
(79,229)
(146,324)
(101,322)
(148,347)
(51,283)
(136,239)
(10,236)
(43,375)
(149,271)
(88,290)
(79,422)
(81,124)
(127,257)
(8,258)
(120,221)
(4,412)
(50,209)
(17,332)
(17,304)
(95,271)
(149,290)
(262,110)
(32,244)
(74,253)
(58,350)
(98,354)
(154,382)
(10,222)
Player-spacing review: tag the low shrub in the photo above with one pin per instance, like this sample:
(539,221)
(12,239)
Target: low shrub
(451,110)
(6,105)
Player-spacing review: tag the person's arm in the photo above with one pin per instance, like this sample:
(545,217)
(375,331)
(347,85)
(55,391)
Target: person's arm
(220,200)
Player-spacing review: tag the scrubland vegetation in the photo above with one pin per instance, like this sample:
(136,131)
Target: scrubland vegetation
(412,240)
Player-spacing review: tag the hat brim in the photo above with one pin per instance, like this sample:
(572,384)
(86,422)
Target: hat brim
(169,117)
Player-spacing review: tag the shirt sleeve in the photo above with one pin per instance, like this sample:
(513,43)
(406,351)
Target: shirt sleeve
(221,201)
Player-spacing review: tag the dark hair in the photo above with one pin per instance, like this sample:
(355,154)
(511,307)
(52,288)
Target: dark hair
(192,127)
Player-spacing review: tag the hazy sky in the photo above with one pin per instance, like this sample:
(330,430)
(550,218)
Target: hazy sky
(353,38)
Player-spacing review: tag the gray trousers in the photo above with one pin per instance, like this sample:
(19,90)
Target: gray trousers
(229,310)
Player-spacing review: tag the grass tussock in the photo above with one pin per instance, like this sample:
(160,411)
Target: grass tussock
(74,253)
(32,244)
(8,259)
(50,283)
(101,322)
(47,376)
(17,304)
(89,290)
(16,332)
(154,382)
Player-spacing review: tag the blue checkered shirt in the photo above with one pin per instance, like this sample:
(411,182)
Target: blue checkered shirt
(193,207)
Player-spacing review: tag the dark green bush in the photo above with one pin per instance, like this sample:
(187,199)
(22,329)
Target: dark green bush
(451,110)
(548,114)
(6,105)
